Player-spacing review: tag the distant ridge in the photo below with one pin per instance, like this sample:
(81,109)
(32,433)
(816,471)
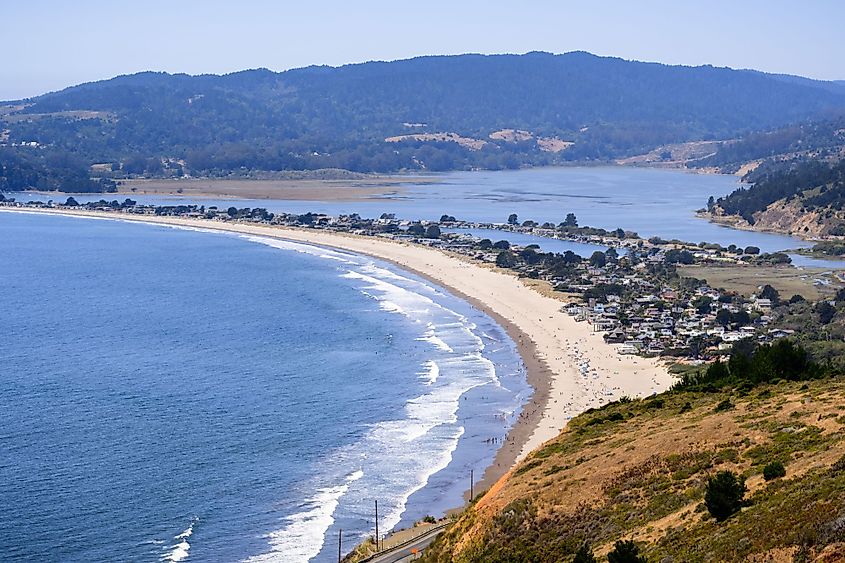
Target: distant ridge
(596,108)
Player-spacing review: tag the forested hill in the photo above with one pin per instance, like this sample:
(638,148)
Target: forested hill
(796,176)
(320,117)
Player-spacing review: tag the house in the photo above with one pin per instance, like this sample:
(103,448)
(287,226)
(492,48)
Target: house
(763,305)
(627,349)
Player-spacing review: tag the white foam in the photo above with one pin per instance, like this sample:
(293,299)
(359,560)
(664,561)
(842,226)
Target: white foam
(179,550)
(415,446)
(436,341)
(431,373)
(302,538)
(303,248)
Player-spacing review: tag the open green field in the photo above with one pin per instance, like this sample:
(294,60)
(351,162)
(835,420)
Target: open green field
(746,279)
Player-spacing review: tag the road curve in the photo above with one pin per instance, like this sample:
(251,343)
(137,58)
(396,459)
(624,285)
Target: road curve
(407,551)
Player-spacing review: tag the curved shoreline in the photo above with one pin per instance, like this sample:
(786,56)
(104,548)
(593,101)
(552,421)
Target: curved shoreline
(549,342)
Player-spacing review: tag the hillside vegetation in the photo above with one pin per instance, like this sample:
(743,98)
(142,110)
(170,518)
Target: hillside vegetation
(644,470)
(816,138)
(796,176)
(571,107)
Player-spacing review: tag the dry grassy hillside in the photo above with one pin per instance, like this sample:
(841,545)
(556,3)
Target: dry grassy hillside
(637,470)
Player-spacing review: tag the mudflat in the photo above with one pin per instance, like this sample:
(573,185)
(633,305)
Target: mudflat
(345,189)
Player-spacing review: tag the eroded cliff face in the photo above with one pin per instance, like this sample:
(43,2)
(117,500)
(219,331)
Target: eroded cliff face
(787,218)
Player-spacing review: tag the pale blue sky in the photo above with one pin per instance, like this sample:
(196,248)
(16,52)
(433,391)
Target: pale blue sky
(50,44)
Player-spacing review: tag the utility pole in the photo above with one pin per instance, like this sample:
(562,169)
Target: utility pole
(376,525)
(471,484)
(339,544)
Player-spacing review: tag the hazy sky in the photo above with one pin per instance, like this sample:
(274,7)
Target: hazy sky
(50,44)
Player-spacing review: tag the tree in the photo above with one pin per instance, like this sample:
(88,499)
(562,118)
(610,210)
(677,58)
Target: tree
(529,254)
(752,250)
(678,256)
(723,317)
(433,231)
(71,202)
(740,318)
(739,362)
(570,257)
(232,212)
(611,254)
(598,259)
(513,219)
(625,551)
(447,219)
(584,554)
(770,293)
(416,229)
(826,312)
(773,470)
(506,259)
(485,244)
(702,304)
(724,494)
(717,371)
(501,245)
(570,221)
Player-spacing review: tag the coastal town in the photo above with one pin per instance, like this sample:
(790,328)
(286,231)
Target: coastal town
(630,292)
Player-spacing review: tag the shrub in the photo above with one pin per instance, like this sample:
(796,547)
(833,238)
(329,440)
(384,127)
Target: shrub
(584,554)
(625,551)
(773,470)
(724,495)
(725,405)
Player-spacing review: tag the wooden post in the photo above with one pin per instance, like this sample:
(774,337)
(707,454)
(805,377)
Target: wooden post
(471,484)
(339,544)
(376,525)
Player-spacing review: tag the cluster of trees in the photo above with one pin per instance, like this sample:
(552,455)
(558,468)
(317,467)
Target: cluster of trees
(750,363)
(569,223)
(831,248)
(418,230)
(49,170)
(114,204)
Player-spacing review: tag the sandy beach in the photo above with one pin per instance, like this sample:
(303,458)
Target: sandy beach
(570,367)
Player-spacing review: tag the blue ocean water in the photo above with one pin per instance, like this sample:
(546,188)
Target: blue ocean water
(169,394)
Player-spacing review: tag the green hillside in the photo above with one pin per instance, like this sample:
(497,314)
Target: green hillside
(325,117)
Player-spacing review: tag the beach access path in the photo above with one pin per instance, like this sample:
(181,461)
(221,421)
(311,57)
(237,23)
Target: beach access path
(569,365)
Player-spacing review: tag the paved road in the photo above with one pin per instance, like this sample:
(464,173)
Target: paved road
(408,551)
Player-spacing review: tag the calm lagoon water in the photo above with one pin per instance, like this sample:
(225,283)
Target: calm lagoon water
(649,201)
(169,394)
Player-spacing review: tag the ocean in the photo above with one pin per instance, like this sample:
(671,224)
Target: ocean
(184,395)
